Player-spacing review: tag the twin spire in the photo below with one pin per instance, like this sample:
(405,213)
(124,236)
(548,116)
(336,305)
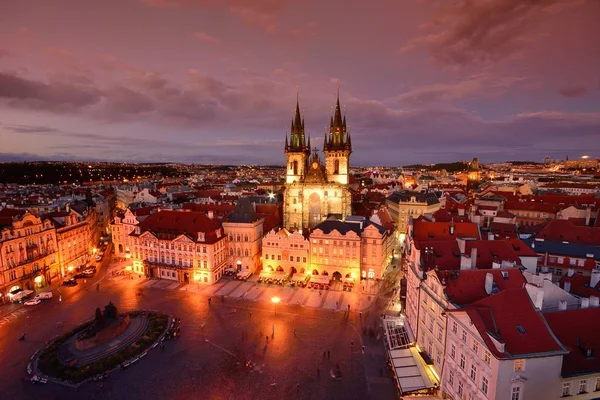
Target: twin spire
(338,138)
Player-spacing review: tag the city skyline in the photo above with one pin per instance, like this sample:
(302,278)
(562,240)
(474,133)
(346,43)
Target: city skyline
(198,81)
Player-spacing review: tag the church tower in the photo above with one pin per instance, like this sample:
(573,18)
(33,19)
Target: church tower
(296,150)
(473,175)
(337,148)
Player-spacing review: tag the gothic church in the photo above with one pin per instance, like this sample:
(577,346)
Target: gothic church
(313,190)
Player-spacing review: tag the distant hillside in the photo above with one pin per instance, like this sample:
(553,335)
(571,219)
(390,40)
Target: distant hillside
(450,167)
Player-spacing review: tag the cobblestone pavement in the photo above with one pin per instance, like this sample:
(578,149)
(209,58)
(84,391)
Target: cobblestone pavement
(207,361)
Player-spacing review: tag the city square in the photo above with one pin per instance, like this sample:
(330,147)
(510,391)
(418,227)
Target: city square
(229,348)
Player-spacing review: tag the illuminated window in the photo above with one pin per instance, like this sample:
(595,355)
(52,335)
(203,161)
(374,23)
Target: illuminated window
(519,365)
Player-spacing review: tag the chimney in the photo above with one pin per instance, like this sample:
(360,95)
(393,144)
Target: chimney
(211,214)
(489,280)
(594,300)
(461,245)
(461,211)
(585,302)
(588,215)
(545,275)
(474,257)
(490,236)
(595,278)
(567,286)
(562,305)
(571,272)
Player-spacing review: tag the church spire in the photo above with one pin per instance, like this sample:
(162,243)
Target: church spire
(297,142)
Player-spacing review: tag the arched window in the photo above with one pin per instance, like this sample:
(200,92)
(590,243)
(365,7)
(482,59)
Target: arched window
(246,252)
(295,167)
(336,167)
(230,252)
(245,238)
(239,252)
(238,238)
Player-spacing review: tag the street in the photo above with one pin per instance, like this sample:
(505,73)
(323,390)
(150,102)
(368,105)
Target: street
(207,362)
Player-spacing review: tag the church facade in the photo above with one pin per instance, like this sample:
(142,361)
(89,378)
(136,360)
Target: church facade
(316,189)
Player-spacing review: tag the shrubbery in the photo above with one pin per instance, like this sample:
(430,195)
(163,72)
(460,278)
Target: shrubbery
(49,364)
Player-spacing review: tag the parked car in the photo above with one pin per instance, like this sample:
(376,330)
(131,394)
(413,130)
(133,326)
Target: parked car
(70,282)
(32,302)
(43,296)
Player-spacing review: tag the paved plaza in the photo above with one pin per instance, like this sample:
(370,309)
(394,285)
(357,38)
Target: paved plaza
(284,344)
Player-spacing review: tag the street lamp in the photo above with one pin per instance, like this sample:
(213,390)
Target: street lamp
(275,300)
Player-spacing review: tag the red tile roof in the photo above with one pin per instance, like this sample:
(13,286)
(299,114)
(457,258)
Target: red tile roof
(468,286)
(169,224)
(561,230)
(446,254)
(423,230)
(532,206)
(502,315)
(490,251)
(578,331)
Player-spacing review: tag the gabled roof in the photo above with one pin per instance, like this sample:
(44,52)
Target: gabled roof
(468,286)
(490,251)
(446,254)
(243,212)
(511,318)
(578,331)
(344,227)
(577,250)
(167,224)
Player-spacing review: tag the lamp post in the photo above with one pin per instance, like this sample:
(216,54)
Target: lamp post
(275,300)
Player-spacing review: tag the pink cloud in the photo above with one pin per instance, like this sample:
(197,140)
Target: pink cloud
(466,31)
(206,38)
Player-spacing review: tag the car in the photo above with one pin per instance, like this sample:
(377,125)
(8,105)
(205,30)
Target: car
(79,276)
(70,282)
(33,302)
(43,296)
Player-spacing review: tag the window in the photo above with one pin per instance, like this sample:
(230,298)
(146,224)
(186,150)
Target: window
(487,357)
(462,362)
(451,378)
(475,346)
(464,336)
(566,389)
(515,393)
(473,373)
(452,351)
(519,365)
(583,386)
(460,388)
(454,327)
(484,385)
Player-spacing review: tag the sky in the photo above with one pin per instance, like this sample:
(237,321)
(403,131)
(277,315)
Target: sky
(216,81)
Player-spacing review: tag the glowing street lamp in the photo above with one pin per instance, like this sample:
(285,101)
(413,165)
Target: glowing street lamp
(271,195)
(275,300)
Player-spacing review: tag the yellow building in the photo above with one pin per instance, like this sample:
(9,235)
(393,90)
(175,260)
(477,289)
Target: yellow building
(28,253)
(74,235)
(286,251)
(314,191)
(403,205)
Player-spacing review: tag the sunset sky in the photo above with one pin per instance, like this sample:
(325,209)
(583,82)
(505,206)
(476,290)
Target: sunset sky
(215,81)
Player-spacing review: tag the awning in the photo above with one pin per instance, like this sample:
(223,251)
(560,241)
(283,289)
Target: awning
(320,279)
(410,370)
(274,275)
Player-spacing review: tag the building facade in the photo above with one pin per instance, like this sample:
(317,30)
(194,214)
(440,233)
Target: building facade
(245,231)
(314,191)
(182,246)
(28,254)
(74,237)
(286,251)
(403,205)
